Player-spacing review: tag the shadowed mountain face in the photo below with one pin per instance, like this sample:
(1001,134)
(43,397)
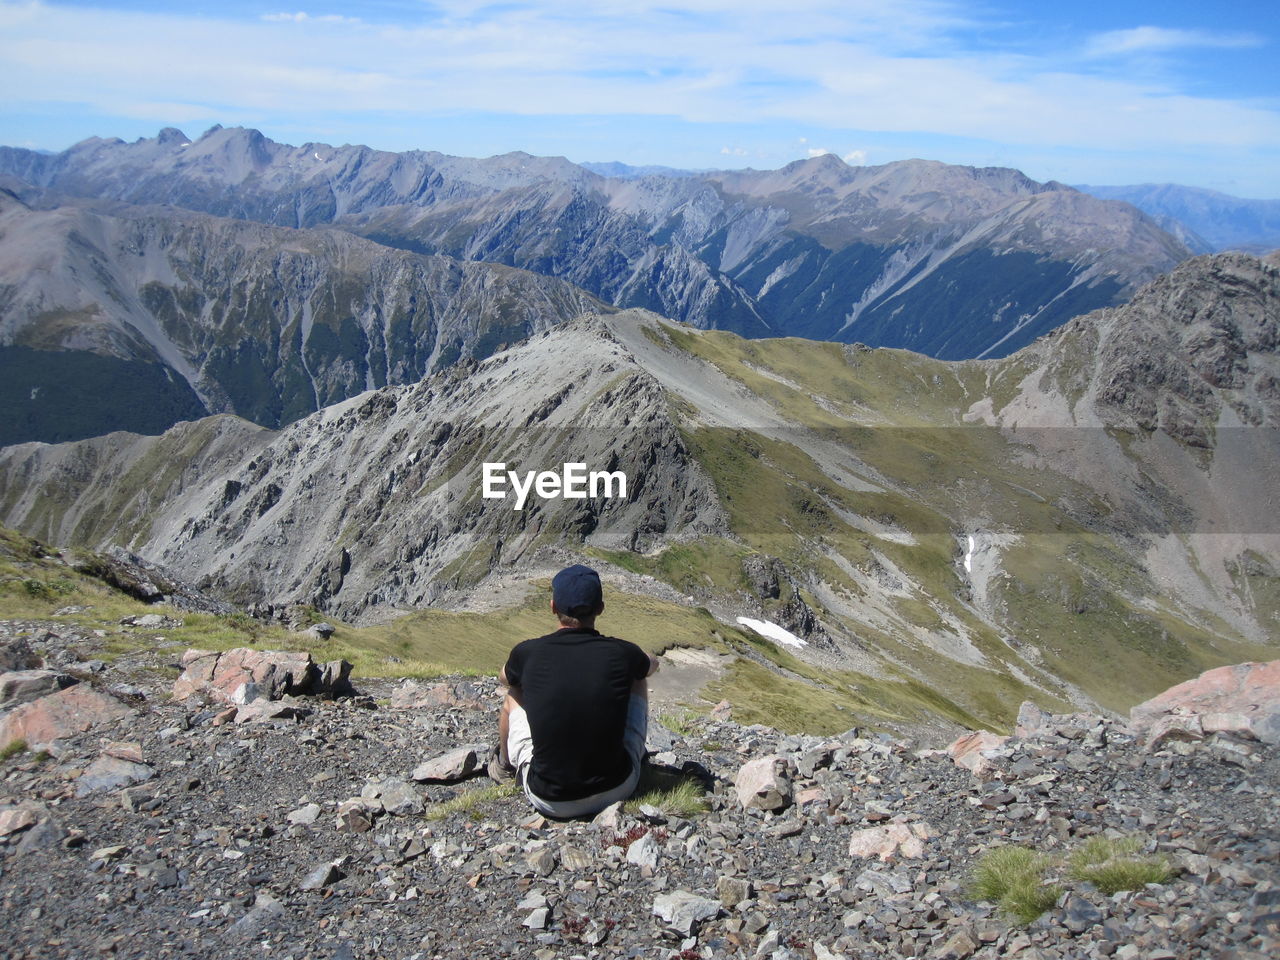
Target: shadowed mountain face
(951,261)
(134,318)
(1088,519)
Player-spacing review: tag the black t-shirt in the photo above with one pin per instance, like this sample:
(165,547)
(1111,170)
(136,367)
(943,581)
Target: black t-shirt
(575,685)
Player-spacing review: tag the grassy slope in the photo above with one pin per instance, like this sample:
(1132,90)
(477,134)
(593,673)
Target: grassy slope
(1086,608)
(38,584)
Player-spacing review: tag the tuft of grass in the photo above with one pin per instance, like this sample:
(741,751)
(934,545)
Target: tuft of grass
(1016,879)
(681,724)
(12,749)
(676,794)
(470,802)
(1115,864)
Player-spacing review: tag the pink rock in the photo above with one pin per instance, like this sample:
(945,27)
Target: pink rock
(411,695)
(974,751)
(1248,690)
(811,795)
(1173,727)
(722,710)
(55,716)
(124,750)
(764,783)
(901,839)
(272,674)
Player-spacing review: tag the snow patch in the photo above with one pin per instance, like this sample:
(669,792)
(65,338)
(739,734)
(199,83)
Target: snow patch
(968,557)
(773,632)
(34,391)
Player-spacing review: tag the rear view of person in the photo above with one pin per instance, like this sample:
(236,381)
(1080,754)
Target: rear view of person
(575,718)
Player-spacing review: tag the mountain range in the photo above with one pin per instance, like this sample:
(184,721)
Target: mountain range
(1205,220)
(231,273)
(1083,522)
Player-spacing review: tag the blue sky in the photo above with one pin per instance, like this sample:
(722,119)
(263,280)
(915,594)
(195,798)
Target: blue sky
(1087,92)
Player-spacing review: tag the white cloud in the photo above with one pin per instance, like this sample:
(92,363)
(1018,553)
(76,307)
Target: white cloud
(855,157)
(818,152)
(733,151)
(1163,39)
(301,17)
(837,65)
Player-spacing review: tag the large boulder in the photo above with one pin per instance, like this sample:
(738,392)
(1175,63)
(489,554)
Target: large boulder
(244,674)
(1243,699)
(43,722)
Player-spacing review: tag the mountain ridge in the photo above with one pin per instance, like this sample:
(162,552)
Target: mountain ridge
(746,251)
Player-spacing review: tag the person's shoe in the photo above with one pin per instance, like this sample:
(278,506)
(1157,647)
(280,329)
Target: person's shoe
(498,771)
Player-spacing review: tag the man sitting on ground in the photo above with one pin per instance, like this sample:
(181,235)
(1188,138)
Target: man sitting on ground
(576,714)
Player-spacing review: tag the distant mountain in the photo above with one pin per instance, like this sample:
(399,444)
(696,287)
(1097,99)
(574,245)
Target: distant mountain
(1222,221)
(115,317)
(1083,520)
(624,171)
(951,261)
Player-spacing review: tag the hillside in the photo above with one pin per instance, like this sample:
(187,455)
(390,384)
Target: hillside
(115,317)
(952,261)
(141,819)
(1080,523)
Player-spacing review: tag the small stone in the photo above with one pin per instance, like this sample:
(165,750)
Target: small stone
(305,815)
(683,911)
(450,767)
(354,816)
(643,852)
(537,919)
(574,858)
(324,875)
(960,946)
(733,891)
(110,773)
(1079,915)
(541,861)
(265,909)
(13,820)
(764,783)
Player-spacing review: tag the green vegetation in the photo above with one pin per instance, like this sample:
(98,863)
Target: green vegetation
(675,794)
(473,803)
(1016,879)
(712,563)
(1025,883)
(12,749)
(681,724)
(1114,864)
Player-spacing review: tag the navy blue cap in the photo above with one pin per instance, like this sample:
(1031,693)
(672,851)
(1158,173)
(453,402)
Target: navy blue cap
(576,591)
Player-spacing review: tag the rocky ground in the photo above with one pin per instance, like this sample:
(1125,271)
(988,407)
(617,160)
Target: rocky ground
(170,829)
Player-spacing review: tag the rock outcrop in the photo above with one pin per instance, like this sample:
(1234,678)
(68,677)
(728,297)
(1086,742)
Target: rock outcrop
(1241,701)
(243,675)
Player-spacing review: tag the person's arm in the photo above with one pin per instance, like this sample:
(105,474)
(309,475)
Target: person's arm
(653,665)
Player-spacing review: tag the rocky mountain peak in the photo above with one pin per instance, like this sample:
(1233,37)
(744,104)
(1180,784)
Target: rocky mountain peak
(172,136)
